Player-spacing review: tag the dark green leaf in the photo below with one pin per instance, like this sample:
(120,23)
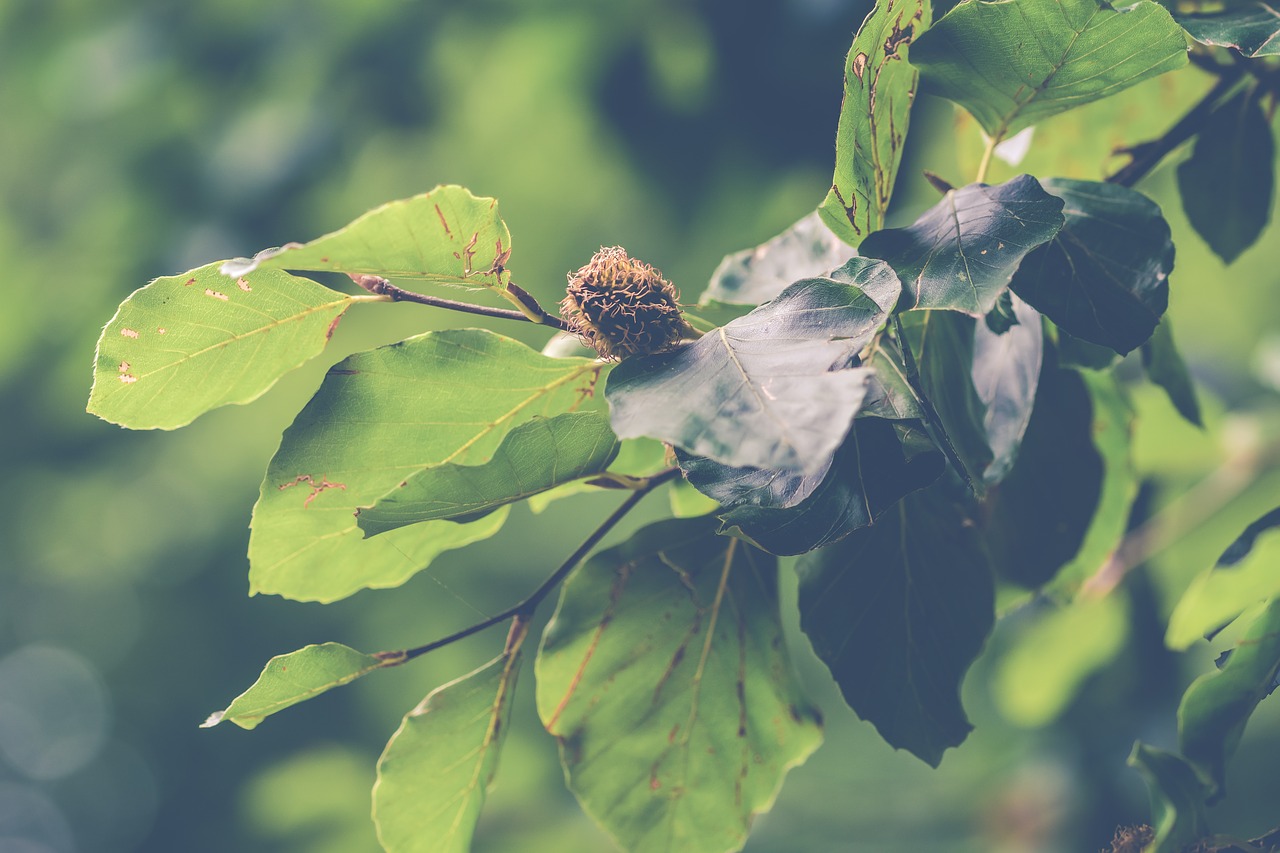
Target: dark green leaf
(188,343)
(757,275)
(1014,63)
(1228,183)
(433,774)
(1247,573)
(1218,704)
(1177,799)
(447,236)
(296,677)
(1038,517)
(1105,277)
(534,457)
(1250,28)
(879,87)
(1073,352)
(793,513)
(898,611)
(767,390)
(889,394)
(1166,368)
(379,418)
(1006,369)
(962,253)
(666,680)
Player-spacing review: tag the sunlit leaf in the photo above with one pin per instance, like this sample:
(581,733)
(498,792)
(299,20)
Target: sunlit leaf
(1165,367)
(666,680)
(1014,63)
(1006,370)
(188,343)
(296,677)
(536,456)
(1218,704)
(1177,799)
(962,252)
(1228,182)
(1105,277)
(879,87)
(898,611)
(447,236)
(434,772)
(380,417)
(769,389)
(757,275)
(1250,28)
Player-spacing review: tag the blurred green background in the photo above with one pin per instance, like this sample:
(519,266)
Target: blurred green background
(144,138)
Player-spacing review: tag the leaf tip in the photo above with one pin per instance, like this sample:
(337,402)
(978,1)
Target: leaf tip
(213,719)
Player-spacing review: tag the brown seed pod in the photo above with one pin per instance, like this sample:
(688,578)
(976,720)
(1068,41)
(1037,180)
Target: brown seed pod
(621,307)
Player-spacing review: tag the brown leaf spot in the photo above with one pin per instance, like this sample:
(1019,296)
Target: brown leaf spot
(243,284)
(189,282)
(896,38)
(129,333)
(333,327)
(859,65)
(316,488)
(124,367)
(443,222)
(162,331)
(128,378)
(215,294)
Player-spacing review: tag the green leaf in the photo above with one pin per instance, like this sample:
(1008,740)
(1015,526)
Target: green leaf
(447,236)
(1014,63)
(1006,370)
(188,343)
(757,275)
(962,253)
(898,611)
(879,88)
(665,678)
(767,390)
(688,502)
(793,513)
(637,457)
(536,456)
(1247,573)
(1177,799)
(1217,705)
(1073,352)
(296,677)
(889,393)
(1250,28)
(378,418)
(1228,183)
(1165,367)
(434,772)
(1105,277)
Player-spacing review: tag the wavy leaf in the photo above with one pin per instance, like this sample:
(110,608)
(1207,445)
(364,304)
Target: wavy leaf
(1250,28)
(753,276)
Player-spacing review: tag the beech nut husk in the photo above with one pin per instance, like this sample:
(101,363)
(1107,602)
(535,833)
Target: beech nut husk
(621,307)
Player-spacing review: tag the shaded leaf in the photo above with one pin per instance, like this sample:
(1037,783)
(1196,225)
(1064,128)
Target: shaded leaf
(1250,28)
(1074,352)
(188,343)
(296,677)
(666,680)
(898,611)
(1177,799)
(1228,182)
(1016,62)
(962,252)
(434,772)
(768,389)
(447,236)
(793,513)
(757,275)
(1006,370)
(879,88)
(1105,277)
(378,418)
(889,393)
(1247,573)
(1165,367)
(536,456)
(1038,517)
(1218,704)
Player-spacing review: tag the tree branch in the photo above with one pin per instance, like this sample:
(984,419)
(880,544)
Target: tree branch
(381,287)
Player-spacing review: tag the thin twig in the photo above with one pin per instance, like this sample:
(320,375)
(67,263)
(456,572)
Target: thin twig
(524,610)
(381,287)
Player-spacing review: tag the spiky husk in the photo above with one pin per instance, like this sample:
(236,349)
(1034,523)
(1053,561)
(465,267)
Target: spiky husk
(621,307)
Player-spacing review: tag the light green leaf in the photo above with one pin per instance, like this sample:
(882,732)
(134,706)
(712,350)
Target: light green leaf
(447,236)
(688,502)
(1177,799)
(879,88)
(1247,573)
(666,680)
(1013,63)
(534,457)
(433,775)
(379,418)
(1218,704)
(757,275)
(637,457)
(1250,28)
(296,677)
(188,343)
